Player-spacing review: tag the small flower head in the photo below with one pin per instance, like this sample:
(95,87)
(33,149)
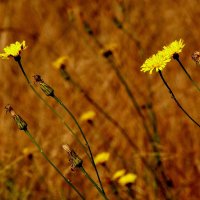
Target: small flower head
(127,179)
(13,50)
(74,159)
(22,125)
(157,61)
(60,62)
(196,57)
(102,158)
(118,174)
(48,90)
(108,50)
(174,47)
(88,116)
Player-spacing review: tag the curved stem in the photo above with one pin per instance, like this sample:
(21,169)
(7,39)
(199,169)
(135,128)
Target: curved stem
(51,108)
(173,96)
(52,164)
(83,135)
(188,75)
(93,182)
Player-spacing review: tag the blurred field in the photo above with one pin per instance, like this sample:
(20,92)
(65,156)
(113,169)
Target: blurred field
(56,28)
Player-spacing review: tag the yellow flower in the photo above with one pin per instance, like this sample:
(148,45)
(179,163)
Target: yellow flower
(26,151)
(118,174)
(174,47)
(127,179)
(89,115)
(60,61)
(13,50)
(157,61)
(101,158)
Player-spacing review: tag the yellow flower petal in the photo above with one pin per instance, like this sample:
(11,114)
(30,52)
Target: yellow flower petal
(60,61)
(159,61)
(174,47)
(118,174)
(13,50)
(89,115)
(101,158)
(127,179)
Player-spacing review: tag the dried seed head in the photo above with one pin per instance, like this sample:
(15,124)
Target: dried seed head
(196,57)
(48,90)
(74,159)
(22,125)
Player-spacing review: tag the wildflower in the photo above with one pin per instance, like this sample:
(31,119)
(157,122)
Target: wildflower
(118,174)
(127,179)
(157,61)
(74,159)
(60,62)
(102,158)
(14,50)
(174,47)
(87,116)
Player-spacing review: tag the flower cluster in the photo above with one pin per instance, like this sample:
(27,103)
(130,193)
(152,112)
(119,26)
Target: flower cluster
(124,179)
(158,61)
(13,50)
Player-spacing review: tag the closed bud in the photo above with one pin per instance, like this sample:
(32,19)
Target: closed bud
(22,125)
(48,90)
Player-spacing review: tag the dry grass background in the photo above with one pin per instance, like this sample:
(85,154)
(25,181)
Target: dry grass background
(55,28)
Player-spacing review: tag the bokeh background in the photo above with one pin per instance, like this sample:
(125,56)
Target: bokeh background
(58,28)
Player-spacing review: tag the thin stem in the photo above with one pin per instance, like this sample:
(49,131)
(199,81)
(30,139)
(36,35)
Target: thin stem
(93,182)
(101,110)
(173,96)
(83,135)
(188,75)
(50,107)
(131,96)
(52,164)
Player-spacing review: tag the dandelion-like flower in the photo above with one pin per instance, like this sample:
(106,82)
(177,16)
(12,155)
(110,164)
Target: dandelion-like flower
(13,50)
(174,47)
(89,115)
(101,158)
(127,179)
(159,61)
(118,174)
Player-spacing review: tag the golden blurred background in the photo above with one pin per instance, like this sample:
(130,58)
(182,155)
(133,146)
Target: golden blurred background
(81,30)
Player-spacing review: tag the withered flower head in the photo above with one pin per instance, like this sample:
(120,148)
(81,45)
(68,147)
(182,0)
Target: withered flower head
(22,125)
(196,57)
(74,159)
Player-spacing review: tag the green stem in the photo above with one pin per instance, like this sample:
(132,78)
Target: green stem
(52,164)
(102,111)
(188,75)
(83,135)
(50,107)
(173,96)
(93,182)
